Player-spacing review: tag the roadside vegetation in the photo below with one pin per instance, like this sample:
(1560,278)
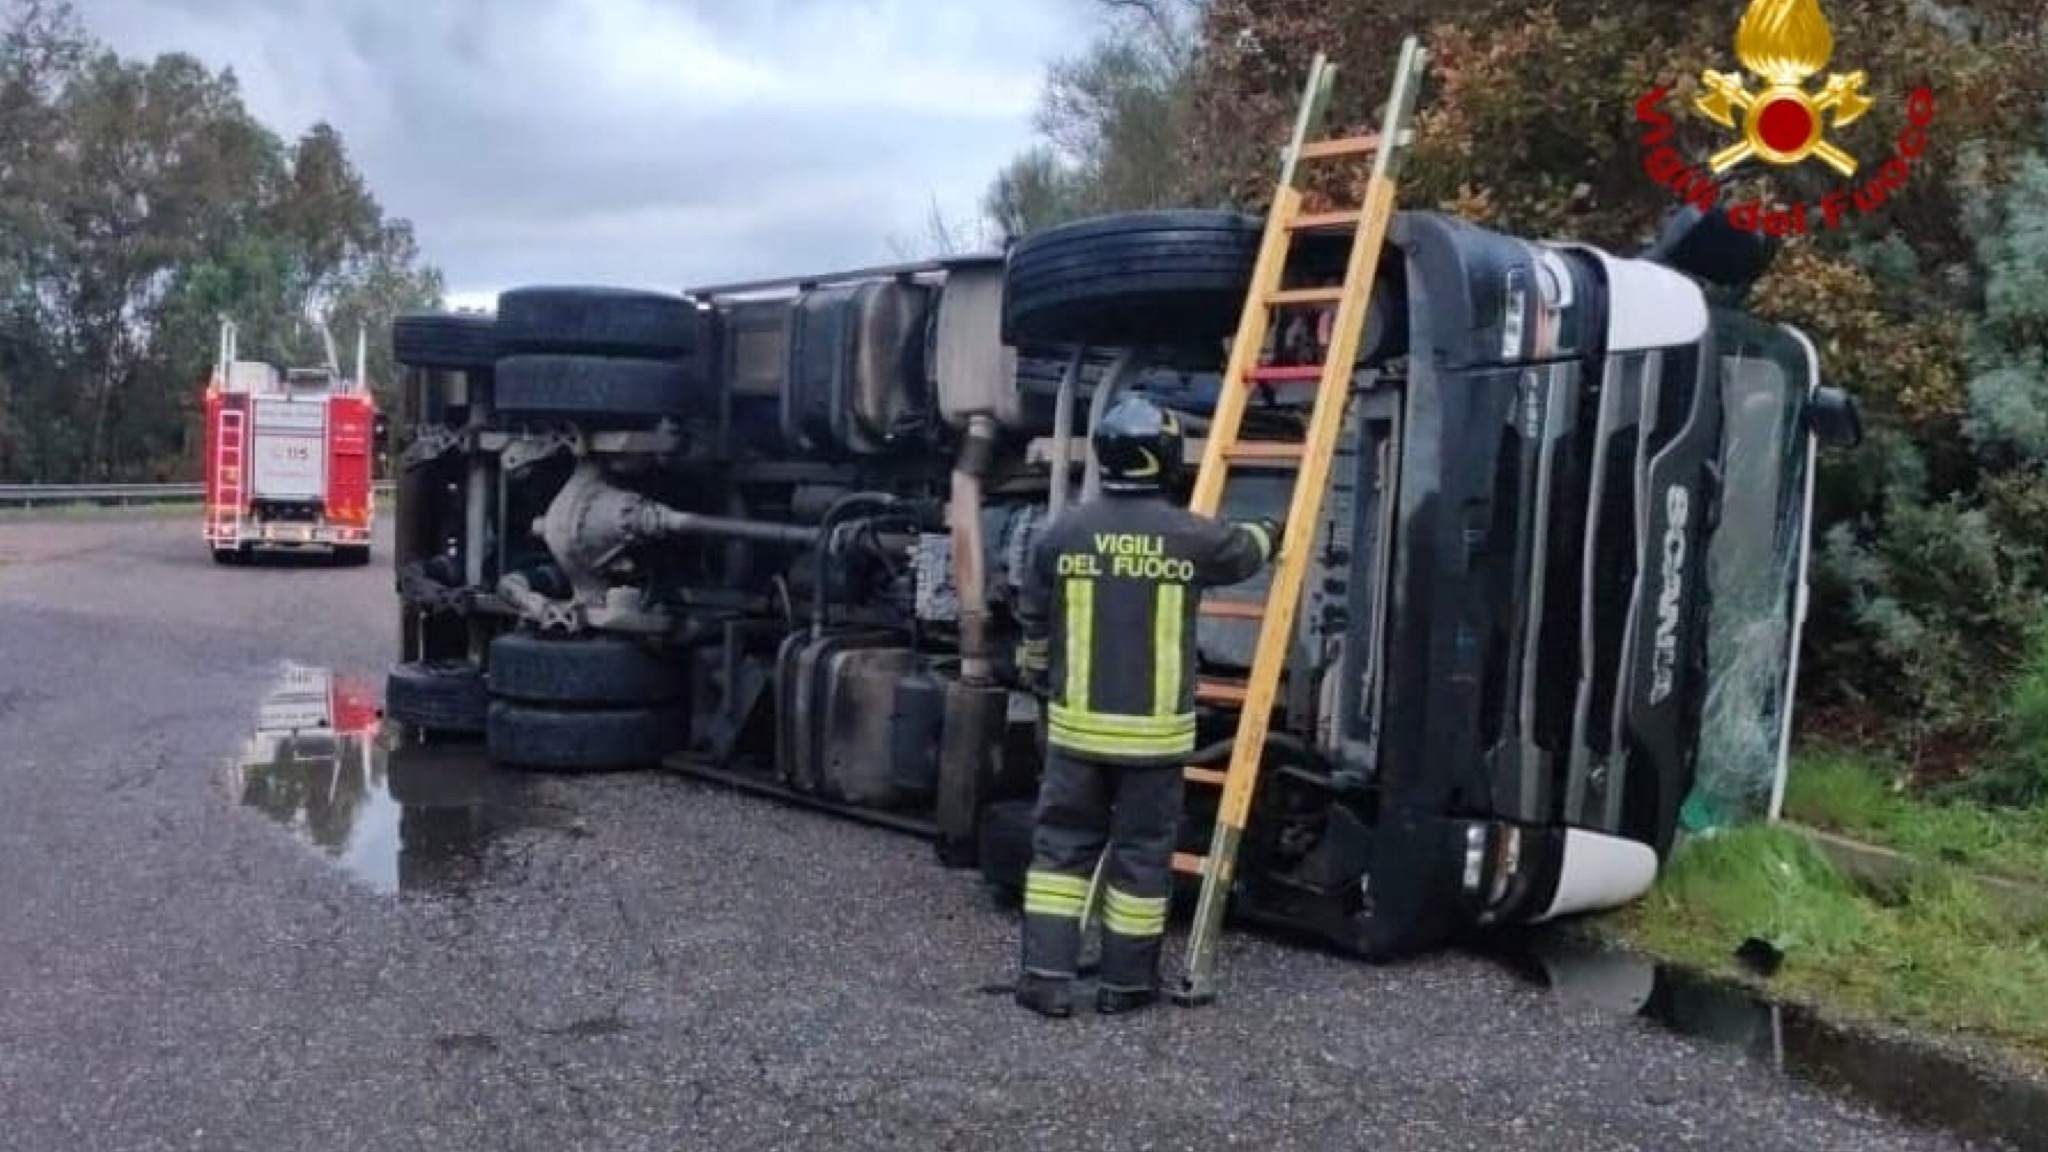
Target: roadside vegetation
(1990,816)
(1934,952)
(1845,792)
(140,201)
(1931,944)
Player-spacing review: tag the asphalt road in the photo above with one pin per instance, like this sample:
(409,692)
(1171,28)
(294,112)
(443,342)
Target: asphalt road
(645,962)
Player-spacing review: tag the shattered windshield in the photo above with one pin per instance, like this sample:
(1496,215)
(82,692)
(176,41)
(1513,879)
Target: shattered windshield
(1756,573)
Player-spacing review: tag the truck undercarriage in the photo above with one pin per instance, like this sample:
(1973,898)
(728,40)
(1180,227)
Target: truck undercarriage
(773,534)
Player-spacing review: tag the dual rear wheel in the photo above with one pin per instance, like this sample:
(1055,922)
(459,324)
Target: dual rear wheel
(575,704)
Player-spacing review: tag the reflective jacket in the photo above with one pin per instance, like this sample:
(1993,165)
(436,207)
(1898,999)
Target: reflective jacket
(1120,579)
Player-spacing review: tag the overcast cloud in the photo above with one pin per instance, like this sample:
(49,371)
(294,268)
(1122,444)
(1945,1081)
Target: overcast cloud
(661,143)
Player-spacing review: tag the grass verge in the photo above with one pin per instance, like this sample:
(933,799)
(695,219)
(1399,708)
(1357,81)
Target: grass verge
(1852,793)
(1932,955)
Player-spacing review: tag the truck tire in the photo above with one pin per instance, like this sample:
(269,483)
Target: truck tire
(1002,847)
(351,555)
(1142,278)
(585,671)
(449,341)
(440,697)
(596,740)
(592,388)
(599,322)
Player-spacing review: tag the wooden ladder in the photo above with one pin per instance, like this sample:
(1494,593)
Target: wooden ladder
(1311,457)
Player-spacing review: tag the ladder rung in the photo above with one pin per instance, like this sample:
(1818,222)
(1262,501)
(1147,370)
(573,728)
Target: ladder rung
(1341,147)
(1208,776)
(1189,864)
(1297,297)
(1233,610)
(1314,221)
(1306,374)
(1221,692)
(1265,452)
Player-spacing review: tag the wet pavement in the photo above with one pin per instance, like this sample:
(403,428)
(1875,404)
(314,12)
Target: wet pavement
(397,817)
(1904,1076)
(223,927)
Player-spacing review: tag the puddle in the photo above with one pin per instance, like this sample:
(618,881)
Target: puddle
(397,817)
(1909,1081)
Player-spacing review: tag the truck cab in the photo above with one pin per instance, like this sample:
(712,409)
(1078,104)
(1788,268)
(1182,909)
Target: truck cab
(1571,601)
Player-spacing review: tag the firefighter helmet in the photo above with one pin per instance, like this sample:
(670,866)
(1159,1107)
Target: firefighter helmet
(1139,446)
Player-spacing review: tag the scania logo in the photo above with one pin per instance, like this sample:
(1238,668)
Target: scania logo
(1671,593)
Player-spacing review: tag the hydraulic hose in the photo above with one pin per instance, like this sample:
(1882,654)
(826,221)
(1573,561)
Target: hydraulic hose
(1106,391)
(1063,435)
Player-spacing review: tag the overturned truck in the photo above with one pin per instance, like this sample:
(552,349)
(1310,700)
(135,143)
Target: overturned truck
(773,534)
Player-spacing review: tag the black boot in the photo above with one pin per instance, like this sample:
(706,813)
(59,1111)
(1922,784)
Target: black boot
(1049,996)
(1121,1002)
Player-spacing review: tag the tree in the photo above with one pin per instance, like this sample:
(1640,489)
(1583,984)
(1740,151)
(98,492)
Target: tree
(1035,191)
(1116,121)
(140,202)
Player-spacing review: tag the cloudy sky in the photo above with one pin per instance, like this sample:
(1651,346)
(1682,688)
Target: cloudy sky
(663,143)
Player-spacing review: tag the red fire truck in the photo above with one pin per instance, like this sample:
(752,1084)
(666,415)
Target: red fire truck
(288,457)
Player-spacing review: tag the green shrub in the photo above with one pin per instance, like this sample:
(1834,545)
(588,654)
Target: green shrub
(2009,413)
(1939,604)
(1841,791)
(2017,773)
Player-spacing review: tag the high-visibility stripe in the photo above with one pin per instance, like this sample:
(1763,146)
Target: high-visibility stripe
(1080,640)
(1135,905)
(1056,884)
(1103,743)
(1038,904)
(1128,915)
(1055,894)
(1265,539)
(1168,613)
(1119,724)
(1147,747)
(1124,925)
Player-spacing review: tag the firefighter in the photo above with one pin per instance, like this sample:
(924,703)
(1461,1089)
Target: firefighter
(1109,624)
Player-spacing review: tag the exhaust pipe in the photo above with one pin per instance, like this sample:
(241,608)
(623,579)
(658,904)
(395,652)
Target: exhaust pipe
(977,665)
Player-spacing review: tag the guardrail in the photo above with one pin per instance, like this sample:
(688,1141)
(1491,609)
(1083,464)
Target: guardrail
(34,495)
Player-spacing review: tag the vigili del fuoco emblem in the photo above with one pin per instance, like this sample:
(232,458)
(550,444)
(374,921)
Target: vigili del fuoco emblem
(1784,42)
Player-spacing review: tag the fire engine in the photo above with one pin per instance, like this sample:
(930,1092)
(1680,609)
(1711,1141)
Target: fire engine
(288,457)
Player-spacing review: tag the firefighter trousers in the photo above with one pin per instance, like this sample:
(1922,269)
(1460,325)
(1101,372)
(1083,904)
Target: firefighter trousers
(1084,809)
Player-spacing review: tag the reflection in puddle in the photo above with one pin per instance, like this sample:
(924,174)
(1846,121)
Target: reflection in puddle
(398,817)
(1911,1081)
